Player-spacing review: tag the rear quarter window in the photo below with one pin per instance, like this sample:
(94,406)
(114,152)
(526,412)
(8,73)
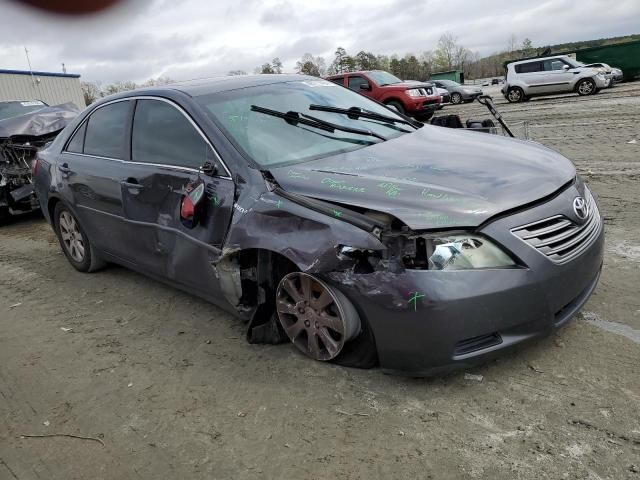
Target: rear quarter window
(529,67)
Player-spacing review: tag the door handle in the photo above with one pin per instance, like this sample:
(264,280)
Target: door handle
(132,184)
(64,168)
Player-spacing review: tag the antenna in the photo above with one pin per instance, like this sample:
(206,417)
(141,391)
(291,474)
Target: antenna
(26,52)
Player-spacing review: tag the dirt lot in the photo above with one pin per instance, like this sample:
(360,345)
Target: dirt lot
(168,384)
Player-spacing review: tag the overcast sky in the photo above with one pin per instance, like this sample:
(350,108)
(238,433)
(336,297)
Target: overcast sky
(186,39)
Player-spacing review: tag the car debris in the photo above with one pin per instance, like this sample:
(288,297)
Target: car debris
(25,127)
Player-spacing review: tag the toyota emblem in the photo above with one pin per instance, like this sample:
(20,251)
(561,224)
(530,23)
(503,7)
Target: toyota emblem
(580,208)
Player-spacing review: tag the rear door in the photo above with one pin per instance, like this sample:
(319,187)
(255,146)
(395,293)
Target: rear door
(532,74)
(167,151)
(89,173)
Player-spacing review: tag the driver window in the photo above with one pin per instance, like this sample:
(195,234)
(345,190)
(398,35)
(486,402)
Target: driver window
(356,81)
(163,135)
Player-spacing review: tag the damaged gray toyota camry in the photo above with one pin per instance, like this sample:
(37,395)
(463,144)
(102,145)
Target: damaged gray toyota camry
(326,219)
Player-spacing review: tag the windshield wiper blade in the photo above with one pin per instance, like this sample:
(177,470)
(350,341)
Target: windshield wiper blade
(355,112)
(293,118)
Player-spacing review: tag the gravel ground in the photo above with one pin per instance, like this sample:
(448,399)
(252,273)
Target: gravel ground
(163,385)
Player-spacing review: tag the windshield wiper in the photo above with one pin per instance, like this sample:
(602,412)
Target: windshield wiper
(355,113)
(294,118)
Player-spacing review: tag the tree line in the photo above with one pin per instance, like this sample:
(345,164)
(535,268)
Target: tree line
(449,54)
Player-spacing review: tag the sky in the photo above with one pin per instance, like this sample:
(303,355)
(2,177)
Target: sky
(185,39)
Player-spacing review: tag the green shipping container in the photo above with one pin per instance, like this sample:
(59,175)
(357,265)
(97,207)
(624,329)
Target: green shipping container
(455,75)
(625,56)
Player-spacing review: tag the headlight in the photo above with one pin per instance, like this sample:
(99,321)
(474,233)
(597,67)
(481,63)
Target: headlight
(414,92)
(465,252)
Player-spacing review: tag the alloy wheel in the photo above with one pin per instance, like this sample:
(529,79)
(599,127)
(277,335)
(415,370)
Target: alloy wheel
(71,236)
(318,319)
(586,88)
(456,98)
(514,95)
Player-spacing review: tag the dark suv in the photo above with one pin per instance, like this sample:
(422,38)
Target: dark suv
(418,100)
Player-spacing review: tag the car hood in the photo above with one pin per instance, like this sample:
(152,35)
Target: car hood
(39,122)
(407,85)
(434,177)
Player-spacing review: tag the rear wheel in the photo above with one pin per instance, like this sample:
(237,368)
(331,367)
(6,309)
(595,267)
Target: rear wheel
(74,241)
(515,95)
(397,105)
(318,318)
(586,86)
(456,98)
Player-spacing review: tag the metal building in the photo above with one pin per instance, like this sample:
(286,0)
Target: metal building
(51,88)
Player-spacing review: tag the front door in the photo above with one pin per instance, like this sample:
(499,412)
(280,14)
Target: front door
(167,153)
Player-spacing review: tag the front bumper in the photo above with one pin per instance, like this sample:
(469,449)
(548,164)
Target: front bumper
(429,322)
(601,81)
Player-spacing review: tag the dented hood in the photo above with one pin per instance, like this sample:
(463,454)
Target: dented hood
(434,177)
(39,122)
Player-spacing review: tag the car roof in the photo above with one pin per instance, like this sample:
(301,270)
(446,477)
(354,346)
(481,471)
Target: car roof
(538,59)
(206,86)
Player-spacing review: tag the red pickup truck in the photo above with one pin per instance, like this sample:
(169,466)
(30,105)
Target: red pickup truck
(418,100)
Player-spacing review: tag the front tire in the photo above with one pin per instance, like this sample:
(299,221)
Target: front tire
(585,87)
(74,242)
(515,95)
(456,98)
(322,323)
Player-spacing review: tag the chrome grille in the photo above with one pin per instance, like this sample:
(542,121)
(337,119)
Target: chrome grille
(560,238)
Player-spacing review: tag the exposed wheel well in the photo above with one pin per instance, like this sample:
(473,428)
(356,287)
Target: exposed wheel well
(51,207)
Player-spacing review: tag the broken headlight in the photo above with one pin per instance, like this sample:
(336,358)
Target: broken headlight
(457,252)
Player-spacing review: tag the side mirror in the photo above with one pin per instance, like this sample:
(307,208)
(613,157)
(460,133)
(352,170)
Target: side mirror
(565,67)
(365,86)
(191,205)
(209,168)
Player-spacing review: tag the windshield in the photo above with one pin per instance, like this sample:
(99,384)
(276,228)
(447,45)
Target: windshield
(384,78)
(271,141)
(14,109)
(449,83)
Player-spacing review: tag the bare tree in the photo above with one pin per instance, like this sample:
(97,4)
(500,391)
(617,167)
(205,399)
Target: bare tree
(449,54)
(310,65)
(90,91)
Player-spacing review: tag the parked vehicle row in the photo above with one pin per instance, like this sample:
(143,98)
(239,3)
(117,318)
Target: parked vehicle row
(326,219)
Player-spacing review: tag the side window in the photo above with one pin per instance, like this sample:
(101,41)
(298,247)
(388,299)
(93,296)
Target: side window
(77,141)
(106,134)
(356,81)
(163,135)
(554,64)
(339,80)
(530,67)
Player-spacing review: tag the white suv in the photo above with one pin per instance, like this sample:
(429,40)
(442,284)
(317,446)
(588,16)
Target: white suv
(548,75)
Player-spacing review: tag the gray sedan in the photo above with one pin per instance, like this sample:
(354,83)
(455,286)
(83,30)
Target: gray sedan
(459,93)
